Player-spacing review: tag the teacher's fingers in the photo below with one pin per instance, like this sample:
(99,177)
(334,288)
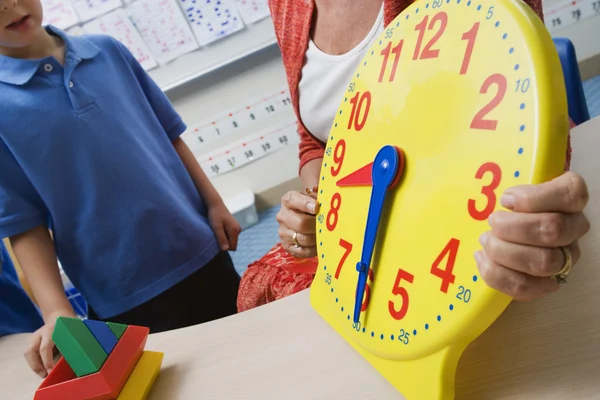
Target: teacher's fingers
(518,285)
(543,230)
(531,260)
(567,193)
(304,240)
(300,252)
(296,221)
(299,202)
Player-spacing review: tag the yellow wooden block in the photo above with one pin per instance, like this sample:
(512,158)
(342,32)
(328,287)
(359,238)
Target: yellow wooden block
(142,377)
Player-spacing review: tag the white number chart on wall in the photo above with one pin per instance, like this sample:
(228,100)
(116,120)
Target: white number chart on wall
(118,25)
(238,118)
(212,20)
(253,10)
(164,28)
(59,13)
(570,12)
(90,9)
(241,153)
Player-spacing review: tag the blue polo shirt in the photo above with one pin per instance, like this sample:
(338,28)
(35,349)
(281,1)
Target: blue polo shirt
(17,312)
(87,147)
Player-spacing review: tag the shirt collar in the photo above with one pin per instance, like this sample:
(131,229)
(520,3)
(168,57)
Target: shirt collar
(18,71)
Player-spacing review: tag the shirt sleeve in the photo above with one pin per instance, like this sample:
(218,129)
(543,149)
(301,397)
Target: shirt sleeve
(21,208)
(165,112)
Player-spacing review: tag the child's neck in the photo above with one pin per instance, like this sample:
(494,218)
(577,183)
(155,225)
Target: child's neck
(44,46)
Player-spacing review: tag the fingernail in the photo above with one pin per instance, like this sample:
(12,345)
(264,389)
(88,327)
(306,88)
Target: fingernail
(311,206)
(508,201)
(477,256)
(225,246)
(483,238)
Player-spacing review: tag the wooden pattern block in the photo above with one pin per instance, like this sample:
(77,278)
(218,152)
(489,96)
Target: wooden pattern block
(117,329)
(143,376)
(63,384)
(103,334)
(78,346)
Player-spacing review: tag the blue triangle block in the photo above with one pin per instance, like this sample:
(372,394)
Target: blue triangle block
(103,334)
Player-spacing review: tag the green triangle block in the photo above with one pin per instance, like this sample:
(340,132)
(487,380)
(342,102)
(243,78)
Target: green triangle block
(78,346)
(117,329)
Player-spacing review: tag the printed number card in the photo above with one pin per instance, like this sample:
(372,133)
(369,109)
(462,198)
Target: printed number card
(241,153)
(59,13)
(90,9)
(253,10)
(240,117)
(163,27)
(118,25)
(212,20)
(569,12)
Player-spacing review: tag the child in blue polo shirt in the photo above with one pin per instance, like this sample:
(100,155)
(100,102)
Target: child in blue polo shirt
(90,150)
(17,312)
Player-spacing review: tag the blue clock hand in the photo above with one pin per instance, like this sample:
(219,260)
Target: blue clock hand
(387,168)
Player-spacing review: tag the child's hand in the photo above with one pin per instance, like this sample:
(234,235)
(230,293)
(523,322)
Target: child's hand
(226,227)
(41,351)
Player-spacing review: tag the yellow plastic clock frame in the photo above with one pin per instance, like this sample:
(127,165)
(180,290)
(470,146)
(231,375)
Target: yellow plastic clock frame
(425,100)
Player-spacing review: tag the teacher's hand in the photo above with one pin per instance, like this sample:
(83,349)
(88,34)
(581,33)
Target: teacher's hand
(297,224)
(529,244)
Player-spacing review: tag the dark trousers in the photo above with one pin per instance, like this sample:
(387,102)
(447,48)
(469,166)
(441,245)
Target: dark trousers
(208,294)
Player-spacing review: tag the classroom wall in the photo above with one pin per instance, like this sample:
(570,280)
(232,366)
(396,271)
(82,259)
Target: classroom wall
(226,88)
(585,36)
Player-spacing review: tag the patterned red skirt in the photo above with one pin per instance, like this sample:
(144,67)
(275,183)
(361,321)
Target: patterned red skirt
(275,276)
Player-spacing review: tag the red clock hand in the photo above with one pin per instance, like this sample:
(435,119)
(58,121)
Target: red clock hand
(360,177)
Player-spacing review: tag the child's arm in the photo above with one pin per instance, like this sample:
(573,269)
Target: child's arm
(207,191)
(225,226)
(34,250)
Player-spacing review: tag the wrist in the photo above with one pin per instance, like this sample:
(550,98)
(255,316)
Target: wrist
(62,311)
(214,202)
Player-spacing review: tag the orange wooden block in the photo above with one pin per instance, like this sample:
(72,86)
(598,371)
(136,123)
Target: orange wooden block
(61,383)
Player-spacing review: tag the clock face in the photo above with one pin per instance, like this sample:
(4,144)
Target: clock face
(473,95)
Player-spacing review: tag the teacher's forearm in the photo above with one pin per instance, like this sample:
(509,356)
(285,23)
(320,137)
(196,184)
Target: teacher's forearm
(310,172)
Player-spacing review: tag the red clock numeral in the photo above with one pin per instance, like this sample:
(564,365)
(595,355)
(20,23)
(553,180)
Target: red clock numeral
(357,110)
(367,297)
(398,290)
(488,191)
(386,55)
(348,247)
(470,36)
(421,27)
(489,124)
(445,274)
(338,157)
(336,203)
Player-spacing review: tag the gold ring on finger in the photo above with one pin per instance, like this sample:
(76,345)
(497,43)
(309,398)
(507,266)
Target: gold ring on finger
(561,276)
(295,240)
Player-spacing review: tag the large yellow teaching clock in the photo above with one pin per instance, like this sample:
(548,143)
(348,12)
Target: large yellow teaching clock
(456,101)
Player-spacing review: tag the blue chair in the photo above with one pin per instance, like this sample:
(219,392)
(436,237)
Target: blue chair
(578,110)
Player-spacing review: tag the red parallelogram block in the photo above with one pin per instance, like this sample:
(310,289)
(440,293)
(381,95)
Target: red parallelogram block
(61,383)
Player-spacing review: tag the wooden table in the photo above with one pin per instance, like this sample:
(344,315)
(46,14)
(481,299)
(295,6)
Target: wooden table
(546,349)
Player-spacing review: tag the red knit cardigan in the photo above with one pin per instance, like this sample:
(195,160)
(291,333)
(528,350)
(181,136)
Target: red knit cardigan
(292,20)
